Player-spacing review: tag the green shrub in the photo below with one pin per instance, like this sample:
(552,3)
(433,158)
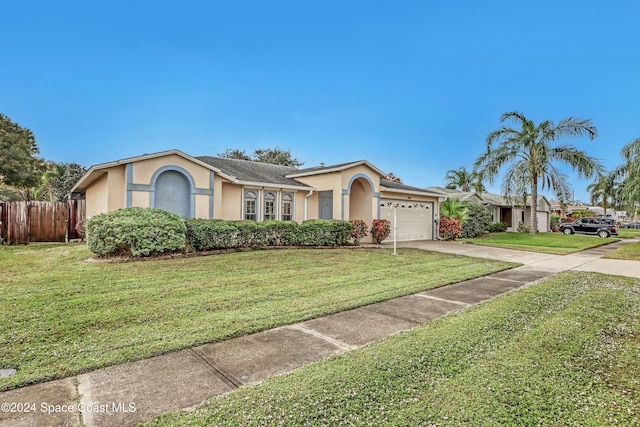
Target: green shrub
(449,229)
(136,232)
(324,232)
(554,222)
(210,234)
(477,222)
(281,233)
(523,228)
(248,234)
(359,230)
(498,227)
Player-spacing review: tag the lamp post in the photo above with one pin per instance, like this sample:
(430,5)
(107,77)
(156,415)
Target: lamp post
(395,228)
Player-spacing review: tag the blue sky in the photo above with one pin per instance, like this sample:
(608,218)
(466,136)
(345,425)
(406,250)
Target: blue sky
(414,86)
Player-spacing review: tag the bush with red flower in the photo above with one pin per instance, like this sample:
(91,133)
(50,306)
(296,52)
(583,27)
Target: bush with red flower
(380,230)
(450,229)
(359,229)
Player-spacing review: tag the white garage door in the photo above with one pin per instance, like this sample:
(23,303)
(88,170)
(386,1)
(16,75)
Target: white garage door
(415,219)
(543,221)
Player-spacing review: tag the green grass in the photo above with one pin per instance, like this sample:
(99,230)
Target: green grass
(561,352)
(630,252)
(550,243)
(61,315)
(628,233)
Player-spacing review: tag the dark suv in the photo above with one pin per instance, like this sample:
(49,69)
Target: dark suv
(597,226)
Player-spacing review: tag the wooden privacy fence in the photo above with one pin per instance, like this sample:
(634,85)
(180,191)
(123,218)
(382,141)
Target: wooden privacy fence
(25,222)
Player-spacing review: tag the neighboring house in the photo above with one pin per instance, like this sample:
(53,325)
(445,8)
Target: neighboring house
(598,211)
(503,209)
(215,187)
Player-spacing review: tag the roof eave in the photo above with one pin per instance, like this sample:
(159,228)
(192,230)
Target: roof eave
(403,191)
(335,169)
(100,166)
(274,185)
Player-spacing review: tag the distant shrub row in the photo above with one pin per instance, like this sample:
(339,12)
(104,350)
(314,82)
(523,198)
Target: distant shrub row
(148,231)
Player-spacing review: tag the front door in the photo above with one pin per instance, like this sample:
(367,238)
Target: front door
(326,204)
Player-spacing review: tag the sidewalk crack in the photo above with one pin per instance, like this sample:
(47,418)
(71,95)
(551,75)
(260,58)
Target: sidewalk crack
(225,376)
(317,334)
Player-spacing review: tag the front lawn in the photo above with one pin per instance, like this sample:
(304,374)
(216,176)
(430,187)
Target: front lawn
(628,233)
(630,251)
(61,315)
(561,352)
(549,243)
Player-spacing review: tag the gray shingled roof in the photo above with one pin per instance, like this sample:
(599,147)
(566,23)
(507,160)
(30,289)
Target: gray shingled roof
(397,186)
(245,170)
(320,168)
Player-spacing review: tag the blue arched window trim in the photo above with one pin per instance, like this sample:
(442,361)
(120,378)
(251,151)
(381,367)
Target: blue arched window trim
(186,174)
(347,191)
(151,188)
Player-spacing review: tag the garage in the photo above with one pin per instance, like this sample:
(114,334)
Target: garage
(543,222)
(414,218)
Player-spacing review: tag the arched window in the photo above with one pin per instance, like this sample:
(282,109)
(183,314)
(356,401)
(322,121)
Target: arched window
(269,205)
(287,206)
(173,193)
(250,205)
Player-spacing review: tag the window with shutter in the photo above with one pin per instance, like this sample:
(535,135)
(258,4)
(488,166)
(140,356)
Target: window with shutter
(173,193)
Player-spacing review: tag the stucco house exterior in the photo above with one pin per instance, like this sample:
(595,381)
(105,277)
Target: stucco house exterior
(221,188)
(504,210)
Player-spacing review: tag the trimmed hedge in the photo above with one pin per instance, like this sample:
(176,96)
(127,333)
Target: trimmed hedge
(324,232)
(136,232)
(211,234)
(140,232)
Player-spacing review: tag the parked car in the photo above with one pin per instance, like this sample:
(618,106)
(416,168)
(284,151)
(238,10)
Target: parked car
(596,226)
(632,224)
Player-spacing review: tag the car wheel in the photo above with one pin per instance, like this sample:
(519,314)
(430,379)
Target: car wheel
(567,231)
(603,233)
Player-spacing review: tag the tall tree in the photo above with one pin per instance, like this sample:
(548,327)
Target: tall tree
(61,185)
(604,189)
(629,175)
(19,166)
(528,149)
(462,179)
(231,153)
(44,191)
(276,156)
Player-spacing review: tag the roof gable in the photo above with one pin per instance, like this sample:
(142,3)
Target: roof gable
(97,170)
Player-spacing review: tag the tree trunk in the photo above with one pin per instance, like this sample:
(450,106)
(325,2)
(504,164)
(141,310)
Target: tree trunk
(534,205)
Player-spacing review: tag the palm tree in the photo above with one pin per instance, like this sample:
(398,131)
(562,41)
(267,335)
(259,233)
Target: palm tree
(531,157)
(464,180)
(455,209)
(45,190)
(604,188)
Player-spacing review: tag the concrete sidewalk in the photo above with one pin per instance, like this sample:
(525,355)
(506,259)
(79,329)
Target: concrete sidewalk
(135,392)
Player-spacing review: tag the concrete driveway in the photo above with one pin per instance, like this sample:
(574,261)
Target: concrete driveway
(588,260)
